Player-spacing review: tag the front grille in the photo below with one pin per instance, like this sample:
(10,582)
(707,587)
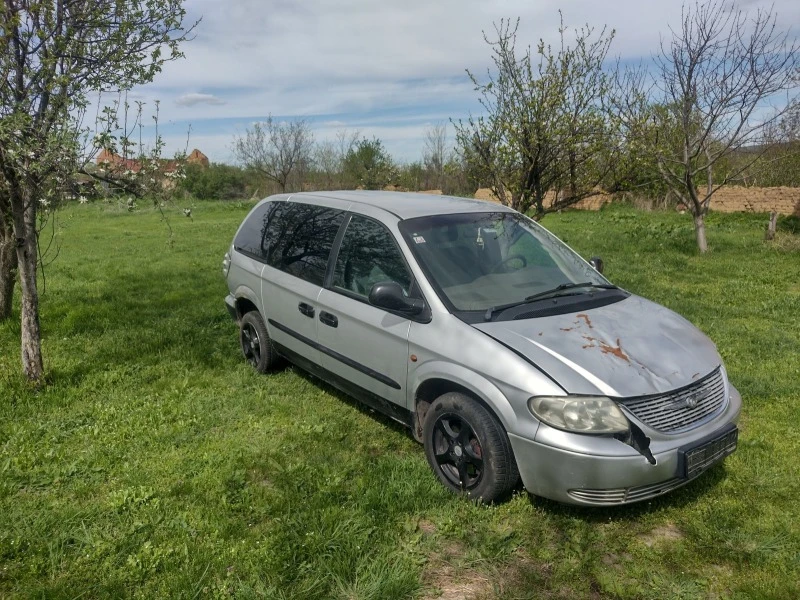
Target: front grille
(681,409)
(626,495)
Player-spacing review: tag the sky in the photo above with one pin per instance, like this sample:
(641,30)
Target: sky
(386,68)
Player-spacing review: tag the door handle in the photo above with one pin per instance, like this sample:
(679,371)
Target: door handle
(328,319)
(306,309)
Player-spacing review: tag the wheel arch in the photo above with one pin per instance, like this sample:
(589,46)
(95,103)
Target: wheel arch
(452,378)
(245,302)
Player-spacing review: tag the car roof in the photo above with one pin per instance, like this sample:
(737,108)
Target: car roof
(404,205)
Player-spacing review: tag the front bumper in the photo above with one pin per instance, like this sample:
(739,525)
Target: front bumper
(586,479)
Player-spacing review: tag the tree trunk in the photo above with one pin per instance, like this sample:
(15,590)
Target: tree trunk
(700,232)
(27,258)
(8,269)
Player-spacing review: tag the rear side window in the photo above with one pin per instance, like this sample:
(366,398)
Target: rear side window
(295,238)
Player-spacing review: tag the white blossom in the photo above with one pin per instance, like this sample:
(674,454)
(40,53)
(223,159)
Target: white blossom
(83,199)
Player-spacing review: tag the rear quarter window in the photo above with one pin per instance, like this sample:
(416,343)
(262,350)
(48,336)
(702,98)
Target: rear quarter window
(295,238)
(252,238)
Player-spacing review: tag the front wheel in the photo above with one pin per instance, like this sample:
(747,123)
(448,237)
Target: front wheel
(468,449)
(256,344)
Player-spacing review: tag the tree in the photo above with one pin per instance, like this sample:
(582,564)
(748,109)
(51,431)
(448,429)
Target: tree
(435,154)
(546,128)
(54,53)
(714,78)
(329,158)
(280,151)
(780,157)
(368,165)
(8,254)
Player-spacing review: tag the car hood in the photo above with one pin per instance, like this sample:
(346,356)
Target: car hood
(630,348)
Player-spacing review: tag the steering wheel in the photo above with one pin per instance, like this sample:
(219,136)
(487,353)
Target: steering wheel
(508,259)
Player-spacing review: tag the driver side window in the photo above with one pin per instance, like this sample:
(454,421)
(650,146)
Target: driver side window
(368,255)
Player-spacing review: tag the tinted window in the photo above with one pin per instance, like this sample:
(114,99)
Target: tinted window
(252,239)
(300,240)
(295,238)
(368,255)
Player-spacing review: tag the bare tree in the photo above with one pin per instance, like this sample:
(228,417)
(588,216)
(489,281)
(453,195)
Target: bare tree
(435,154)
(280,151)
(346,141)
(545,127)
(329,155)
(779,163)
(327,164)
(715,77)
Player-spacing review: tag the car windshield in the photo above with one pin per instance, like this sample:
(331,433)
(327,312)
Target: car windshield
(484,260)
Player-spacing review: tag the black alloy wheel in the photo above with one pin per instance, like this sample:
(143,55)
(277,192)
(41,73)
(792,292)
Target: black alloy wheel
(255,343)
(468,449)
(457,451)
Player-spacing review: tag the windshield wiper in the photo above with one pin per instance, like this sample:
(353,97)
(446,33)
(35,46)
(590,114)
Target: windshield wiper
(556,291)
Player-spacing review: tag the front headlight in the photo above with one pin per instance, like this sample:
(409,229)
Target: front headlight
(582,414)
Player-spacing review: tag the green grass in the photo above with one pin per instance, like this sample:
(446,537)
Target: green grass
(155,463)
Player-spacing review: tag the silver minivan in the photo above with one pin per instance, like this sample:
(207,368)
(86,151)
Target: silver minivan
(505,353)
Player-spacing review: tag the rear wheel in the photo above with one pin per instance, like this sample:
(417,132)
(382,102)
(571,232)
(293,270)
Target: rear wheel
(468,449)
(256,344)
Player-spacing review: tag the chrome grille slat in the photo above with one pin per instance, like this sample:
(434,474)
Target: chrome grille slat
(667,412)
(624,495)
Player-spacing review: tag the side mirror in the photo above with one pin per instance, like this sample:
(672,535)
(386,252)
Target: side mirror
(389,295)
(597,263)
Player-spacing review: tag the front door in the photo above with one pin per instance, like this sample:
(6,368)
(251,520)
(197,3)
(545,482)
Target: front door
(363,344)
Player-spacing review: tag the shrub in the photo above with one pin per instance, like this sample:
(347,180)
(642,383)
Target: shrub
(216,182)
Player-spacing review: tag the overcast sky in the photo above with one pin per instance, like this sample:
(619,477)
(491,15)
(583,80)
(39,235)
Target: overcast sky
(388,68)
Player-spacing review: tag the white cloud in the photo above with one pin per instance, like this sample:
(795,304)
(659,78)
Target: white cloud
(339,60)
(192,99)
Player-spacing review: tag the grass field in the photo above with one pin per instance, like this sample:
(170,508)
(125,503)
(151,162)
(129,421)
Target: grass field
(156,464)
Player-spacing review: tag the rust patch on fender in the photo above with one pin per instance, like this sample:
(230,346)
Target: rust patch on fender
(585,318)
(565,329)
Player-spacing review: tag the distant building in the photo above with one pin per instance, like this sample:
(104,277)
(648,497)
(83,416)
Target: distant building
(116,163)
(197,158)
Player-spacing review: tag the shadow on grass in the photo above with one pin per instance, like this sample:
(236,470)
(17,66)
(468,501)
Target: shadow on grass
(378,416)
(125,326)
(682,497)
(134,320)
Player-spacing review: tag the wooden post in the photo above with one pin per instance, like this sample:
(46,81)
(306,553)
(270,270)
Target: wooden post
(773,223)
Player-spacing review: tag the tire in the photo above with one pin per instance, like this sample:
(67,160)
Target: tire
(255,343)
(468,449)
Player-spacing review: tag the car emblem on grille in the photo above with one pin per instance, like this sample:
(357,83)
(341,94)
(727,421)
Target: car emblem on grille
(692,401)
